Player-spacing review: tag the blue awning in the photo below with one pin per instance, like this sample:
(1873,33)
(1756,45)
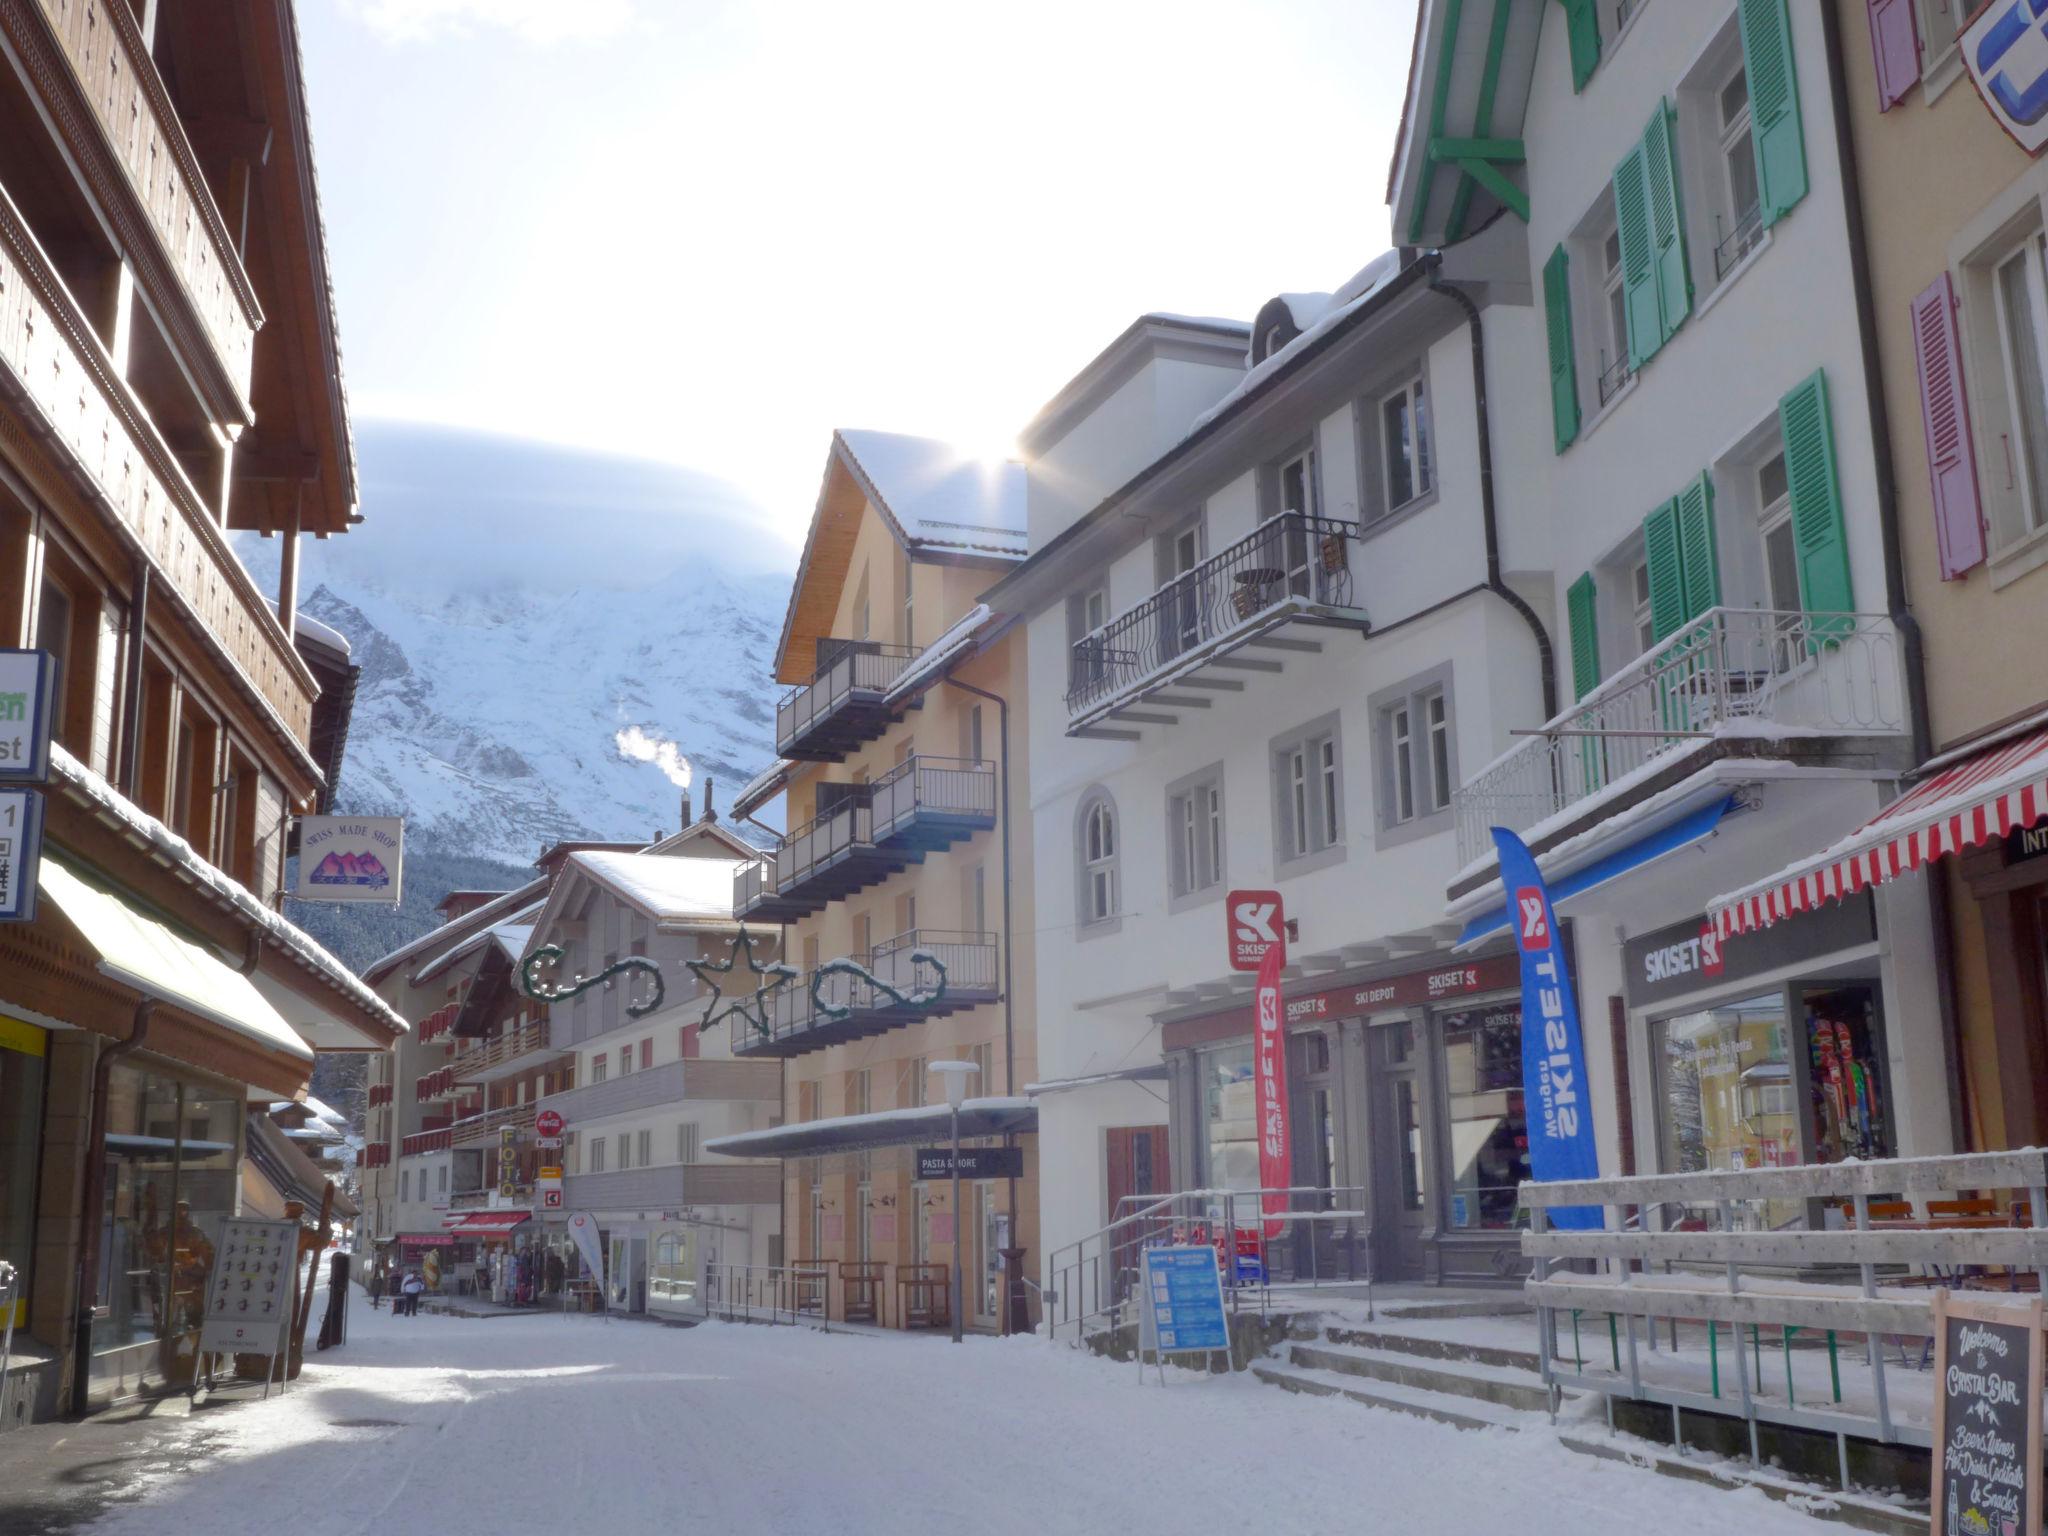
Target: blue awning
(1682,833)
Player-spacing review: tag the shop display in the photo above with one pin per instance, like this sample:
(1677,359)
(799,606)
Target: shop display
(1843,1075)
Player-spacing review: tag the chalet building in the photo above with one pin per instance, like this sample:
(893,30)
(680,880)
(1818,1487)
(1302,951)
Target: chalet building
(1736,673)
(169,374)
(902,888)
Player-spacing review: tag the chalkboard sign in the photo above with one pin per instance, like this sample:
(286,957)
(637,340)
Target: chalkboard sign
(1987,1418)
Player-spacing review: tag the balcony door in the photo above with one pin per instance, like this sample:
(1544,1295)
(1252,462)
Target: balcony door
(1181,611)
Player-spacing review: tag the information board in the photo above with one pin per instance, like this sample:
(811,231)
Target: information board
(249,1291)
(21,853)
(1181,1311)
(1987,1417)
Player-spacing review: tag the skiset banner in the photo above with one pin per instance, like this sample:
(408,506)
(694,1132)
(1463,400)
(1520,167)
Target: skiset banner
(1269,1051)
(1561,1144)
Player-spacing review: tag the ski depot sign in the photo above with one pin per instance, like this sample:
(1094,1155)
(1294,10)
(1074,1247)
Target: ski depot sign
(350,858)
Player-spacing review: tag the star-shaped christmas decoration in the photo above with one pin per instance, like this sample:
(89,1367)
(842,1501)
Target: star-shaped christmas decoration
(753,1007)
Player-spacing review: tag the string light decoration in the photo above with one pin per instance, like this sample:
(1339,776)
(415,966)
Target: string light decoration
(918,998)
(753,1007)
(552,955)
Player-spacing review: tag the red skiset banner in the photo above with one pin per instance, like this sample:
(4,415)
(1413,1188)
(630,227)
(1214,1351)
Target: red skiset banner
(1269,1051)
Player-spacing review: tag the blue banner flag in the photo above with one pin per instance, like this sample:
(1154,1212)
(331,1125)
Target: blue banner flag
(1553,1051)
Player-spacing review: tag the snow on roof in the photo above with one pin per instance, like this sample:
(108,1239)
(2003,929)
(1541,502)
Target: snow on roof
(325,633)
(940,495)
(1347,300)
(762,787)
(936,656)
(175,851)
(671,889)
(1306,309)
(1217,322)
(501,907)
(510,935)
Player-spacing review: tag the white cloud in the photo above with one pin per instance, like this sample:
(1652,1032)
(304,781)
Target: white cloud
(540,22)
(638,746)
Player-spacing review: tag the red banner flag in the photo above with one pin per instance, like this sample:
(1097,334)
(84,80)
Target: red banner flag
(1269,1051)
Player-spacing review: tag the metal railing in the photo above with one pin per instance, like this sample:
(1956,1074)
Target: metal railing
(972,973)
(1322,1237)
(1866,1246)
(1748,231)
(1614,378)
(934,786)
(846,668)
(767,1293)
(1289,558)
(1732,672)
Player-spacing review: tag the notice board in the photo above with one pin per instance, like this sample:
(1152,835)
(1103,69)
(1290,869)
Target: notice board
(1181,1311)
(1987,1417)
(249,1292)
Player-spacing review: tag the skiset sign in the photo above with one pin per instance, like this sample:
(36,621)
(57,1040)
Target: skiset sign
(1256,924)
(350,858)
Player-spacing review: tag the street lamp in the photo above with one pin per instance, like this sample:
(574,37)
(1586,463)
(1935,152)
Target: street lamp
(956,1074)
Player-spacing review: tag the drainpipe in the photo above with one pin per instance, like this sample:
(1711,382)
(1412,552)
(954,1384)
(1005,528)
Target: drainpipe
(1912,646)
(1013,1256)
(1546,657)
(94,1197)
(131,683)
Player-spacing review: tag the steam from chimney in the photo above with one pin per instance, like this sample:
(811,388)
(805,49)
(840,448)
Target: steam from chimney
(638,746)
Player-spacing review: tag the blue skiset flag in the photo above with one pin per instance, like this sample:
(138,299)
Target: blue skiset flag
(1553,1052)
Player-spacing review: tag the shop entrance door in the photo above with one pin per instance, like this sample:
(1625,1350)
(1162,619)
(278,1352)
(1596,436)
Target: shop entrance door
(1399,1166)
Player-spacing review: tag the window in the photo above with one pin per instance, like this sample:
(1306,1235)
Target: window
(689,1142)
(625,1150)
(441,1181)
(1418,756)
(2022,300)
(861,610)
(625,1060)
(1643,624)
(646,1053)
(405,1184)
(977,901)
(1740,215)
(645,1150)
(1308,793)
(1405,448)
(1614,371)
(597,1154)
(1781,548)
(905,630)
(914,1083)
(1087,614)
(1940,21)
(598,1064)
(1194,833)
(1294,484)
(53,634)
(971,741)
(1099,860)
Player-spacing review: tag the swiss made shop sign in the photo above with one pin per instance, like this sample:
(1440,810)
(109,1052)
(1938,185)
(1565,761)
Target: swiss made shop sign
(28,692)
(350,858)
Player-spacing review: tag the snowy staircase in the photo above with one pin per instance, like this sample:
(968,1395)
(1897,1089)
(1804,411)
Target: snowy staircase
(1471,1386)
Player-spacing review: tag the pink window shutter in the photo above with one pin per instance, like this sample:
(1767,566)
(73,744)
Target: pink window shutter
(1945,409)
(1895,42)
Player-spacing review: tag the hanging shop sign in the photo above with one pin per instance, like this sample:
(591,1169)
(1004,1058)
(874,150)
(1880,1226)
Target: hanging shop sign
(28,698)
(249,1288)
(975,1162)
(1380,994)
(1689,957)
(1182,1311)
(1256,924)
(1561,1144)
(1987,1417)
(547,1183)
(350,858)
(550,1124)
(21,853)
(2005,49)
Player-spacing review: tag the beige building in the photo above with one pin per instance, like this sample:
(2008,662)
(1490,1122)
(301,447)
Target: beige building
(898,866)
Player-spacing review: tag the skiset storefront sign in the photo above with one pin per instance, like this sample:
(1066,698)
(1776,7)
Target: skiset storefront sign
(1412,989)
(1688,957)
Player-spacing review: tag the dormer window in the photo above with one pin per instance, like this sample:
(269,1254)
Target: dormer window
(1274,328)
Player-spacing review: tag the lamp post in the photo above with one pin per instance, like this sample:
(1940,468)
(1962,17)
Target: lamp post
(956,1074)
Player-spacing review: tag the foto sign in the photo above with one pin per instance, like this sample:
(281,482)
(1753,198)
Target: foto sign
(1256,923)
(2005,50)
(350,858)
(549,1123)
(28,696)
(21,852)
(975,1162)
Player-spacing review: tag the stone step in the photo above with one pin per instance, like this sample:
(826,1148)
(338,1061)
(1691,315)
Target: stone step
(1507,1387)
(1458,1412)
(1435,1349)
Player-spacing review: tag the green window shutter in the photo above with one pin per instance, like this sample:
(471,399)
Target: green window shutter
(1667,220)
(1667,569)
(1582,26)
(1640,302)
(1583,612)
(1564,372)
(1697,557)
(1775,127)
(1816,493)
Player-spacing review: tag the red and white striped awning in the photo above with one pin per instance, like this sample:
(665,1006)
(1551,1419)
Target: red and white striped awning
(1976,798)
(484,1223)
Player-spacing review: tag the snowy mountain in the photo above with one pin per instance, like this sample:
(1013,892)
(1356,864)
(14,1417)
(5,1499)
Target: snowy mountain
(554,643)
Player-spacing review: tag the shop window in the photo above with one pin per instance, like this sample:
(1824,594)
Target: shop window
(22,1053)
(1489,1127)
(1230,1119)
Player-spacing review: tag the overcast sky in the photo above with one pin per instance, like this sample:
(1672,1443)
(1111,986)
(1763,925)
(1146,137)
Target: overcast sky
(710,232)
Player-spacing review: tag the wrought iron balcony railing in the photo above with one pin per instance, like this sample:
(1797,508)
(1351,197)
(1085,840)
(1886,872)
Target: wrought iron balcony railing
(893,987)
(1288,563)
(1749,229)
(1732,672)
(841,706)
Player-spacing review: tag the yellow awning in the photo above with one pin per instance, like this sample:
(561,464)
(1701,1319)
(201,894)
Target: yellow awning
(142,953)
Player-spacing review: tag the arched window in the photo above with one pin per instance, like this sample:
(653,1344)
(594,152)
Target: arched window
(1100,860)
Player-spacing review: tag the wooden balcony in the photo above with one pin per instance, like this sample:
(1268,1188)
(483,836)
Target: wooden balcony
(93,69)
(513,1052)
(474,1130)
(62,387)
(812,1014)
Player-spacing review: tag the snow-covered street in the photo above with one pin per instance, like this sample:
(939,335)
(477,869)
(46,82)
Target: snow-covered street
(446,1424)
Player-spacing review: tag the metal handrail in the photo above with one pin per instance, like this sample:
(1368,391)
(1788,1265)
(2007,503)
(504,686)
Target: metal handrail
(1614,378)
(1291,558)
(771,1293)
(1748,231)
(1730,671)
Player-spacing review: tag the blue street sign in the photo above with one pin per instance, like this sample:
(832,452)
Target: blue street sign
(1181,1310)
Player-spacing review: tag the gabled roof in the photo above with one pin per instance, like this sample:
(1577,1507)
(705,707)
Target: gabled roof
(669,891)
(448,934)
(510,936)
(936,501)
(704,830)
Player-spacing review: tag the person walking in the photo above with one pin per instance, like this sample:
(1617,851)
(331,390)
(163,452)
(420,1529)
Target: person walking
(377,1289)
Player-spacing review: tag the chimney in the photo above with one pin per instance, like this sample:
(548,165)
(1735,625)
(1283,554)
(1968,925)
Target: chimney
(709,813)
(686,810)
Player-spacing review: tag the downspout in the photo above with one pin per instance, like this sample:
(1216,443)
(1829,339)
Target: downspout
(1546,657)
(1912,646)
(131,684)
(93,1198)
(1014,1268)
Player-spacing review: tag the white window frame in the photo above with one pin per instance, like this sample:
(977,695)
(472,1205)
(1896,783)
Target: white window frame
(599,1066)
(1774,516)
(1305,460)
(1642,620)
(594,1154)
(1194,836)
(2029,501)
(1413,398)
(689,1142)
(1308,795)
(1099,860)
(1415,750)
(644,1148)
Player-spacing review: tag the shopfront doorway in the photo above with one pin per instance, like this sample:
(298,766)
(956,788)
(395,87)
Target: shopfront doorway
(1400,1161)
